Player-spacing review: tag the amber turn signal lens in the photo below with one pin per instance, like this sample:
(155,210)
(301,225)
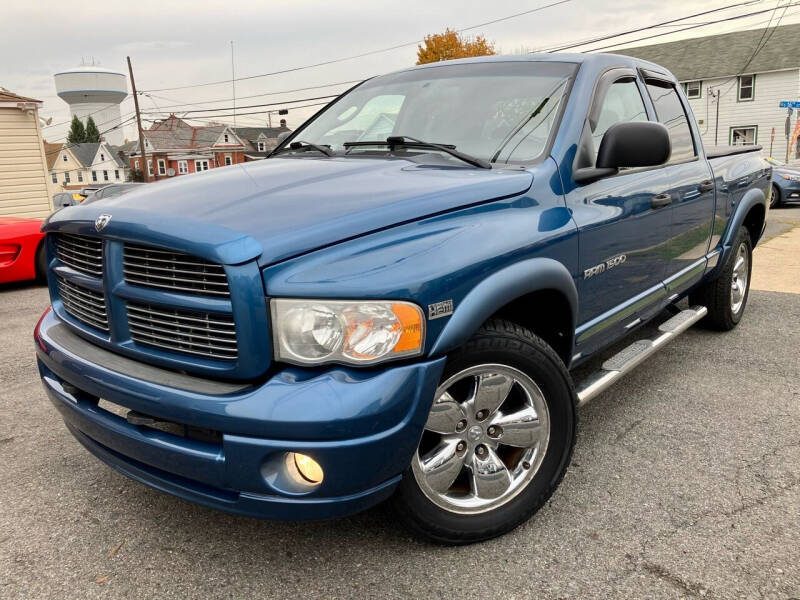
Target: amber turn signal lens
(410,328)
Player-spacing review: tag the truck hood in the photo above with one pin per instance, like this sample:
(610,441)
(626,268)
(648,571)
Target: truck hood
(279,208)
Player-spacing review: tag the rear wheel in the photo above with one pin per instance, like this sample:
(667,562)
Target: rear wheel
(41,264)
(497,441)
(726,296)
(775,197)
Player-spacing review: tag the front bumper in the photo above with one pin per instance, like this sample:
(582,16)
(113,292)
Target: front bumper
(362,426)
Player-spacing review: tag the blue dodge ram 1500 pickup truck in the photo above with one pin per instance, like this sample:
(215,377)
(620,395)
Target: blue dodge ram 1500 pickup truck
(390,305)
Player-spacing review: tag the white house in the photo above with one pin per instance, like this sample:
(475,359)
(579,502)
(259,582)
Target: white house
(79,165)
(735,83)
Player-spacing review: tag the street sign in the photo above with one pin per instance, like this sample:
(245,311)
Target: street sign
(789,104)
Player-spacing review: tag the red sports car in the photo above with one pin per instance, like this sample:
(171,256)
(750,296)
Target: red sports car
(21,250)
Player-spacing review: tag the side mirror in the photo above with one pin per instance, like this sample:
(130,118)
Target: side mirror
(634,144)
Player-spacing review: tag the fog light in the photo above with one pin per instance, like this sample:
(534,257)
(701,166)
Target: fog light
(305,467)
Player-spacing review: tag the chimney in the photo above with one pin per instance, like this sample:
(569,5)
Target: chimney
(283,122)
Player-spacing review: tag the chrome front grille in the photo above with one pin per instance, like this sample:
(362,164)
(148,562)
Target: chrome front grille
(187,332)
(84,304)
(176,271)
(81,252)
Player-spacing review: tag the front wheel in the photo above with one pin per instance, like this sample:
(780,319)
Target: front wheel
(497,441)
(775,197)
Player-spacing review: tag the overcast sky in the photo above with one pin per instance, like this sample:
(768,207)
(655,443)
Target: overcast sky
(173,43)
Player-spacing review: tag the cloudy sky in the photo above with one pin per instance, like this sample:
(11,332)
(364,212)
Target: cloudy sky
(179,43)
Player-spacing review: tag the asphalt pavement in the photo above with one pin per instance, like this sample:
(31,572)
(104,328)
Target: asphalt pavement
(685,482)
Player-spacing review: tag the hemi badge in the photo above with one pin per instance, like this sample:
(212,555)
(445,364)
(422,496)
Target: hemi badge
(440,309)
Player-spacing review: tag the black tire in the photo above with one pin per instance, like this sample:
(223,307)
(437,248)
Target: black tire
(716,294)
(775,197)
(41,264)
(505,343)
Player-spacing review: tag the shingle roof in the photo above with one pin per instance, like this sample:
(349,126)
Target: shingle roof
(6,96)
(725,54)
(51,152)
(85,153)
(251,133)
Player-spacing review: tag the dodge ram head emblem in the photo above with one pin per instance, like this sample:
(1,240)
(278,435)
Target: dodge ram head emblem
(101,222)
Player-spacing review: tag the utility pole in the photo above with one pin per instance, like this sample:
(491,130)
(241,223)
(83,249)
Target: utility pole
(233,85)
(145,171)
(716,95)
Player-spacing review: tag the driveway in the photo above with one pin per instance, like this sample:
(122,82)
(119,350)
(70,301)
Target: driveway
(685,483)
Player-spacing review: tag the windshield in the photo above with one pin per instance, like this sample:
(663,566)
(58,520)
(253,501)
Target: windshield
(502,112)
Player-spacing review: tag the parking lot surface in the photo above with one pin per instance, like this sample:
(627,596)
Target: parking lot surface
(685,482)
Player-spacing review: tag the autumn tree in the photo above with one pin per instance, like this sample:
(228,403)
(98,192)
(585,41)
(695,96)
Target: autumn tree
(92,133)
(450,45)
(77,134)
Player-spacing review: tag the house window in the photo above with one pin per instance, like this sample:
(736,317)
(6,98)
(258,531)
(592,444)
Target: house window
(64,157)
(747,84)
(94,175)
(55,178)
(744,136)
(183,167)
(66,178)
(136,164)
(693,89)
(105,175)
(116,173)
(149,166)
(162,166)
(228,160)
(80,176)
(201,165)
(225,137)
(261,146)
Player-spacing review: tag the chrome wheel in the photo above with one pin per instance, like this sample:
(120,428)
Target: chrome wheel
(484,440)
(741,273)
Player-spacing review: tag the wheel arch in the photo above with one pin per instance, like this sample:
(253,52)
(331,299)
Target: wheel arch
(515,293)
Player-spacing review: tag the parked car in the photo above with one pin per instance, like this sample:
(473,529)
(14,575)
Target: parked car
(355,319)
(111,191)
(64,199)
(785,183)
(22,254)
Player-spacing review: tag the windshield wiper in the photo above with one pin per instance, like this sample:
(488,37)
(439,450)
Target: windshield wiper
(301,145)
(410,142)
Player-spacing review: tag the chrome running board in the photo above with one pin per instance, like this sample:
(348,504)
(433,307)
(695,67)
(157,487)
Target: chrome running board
(624,361)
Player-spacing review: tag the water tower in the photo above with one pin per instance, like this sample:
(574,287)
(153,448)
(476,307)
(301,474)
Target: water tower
(95,91)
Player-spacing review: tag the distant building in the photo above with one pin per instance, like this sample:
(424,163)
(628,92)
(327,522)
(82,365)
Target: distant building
(23,165)
(174,147)
(75,166)
(748,84)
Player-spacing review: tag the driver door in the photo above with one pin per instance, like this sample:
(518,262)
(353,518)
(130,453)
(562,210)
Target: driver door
(623,223)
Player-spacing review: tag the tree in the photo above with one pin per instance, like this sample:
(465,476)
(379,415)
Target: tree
(450,45)
(136,175)
(77,134)
(92,133)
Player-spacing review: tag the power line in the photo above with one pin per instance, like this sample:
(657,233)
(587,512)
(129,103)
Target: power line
(238,114)
(644,28)
(649,37)
(360,55)
(90,114)
(235,108)
(72,145)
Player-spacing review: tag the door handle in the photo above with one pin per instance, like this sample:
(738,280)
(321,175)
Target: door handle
(706,186)
(660,200)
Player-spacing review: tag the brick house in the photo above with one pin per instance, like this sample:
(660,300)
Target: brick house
(174,147)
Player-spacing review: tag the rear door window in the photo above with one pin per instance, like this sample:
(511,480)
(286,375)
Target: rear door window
(669,111)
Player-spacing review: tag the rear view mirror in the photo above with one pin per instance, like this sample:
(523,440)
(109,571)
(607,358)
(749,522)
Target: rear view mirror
(634,144)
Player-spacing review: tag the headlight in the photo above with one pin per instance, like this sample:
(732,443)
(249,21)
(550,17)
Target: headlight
(345,331)
(791,177)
